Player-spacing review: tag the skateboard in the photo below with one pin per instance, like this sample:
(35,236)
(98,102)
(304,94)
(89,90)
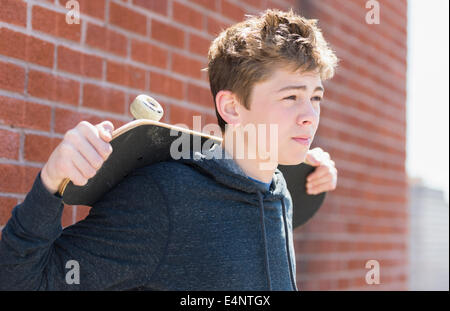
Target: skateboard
(145,141)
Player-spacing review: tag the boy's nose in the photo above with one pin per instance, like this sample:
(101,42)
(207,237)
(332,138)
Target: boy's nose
(307,115)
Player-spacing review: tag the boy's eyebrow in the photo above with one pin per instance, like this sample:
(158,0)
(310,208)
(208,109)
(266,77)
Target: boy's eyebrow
(299,87)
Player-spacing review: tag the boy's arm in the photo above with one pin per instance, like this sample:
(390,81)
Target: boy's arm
(117,246)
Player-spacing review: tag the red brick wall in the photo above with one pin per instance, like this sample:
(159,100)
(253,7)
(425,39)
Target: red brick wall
(363,127)
(53,75)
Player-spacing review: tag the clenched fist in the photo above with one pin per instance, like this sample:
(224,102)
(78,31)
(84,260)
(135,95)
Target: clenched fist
(79,156)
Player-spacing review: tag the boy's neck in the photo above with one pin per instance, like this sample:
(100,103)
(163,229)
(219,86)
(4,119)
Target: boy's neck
(254,168)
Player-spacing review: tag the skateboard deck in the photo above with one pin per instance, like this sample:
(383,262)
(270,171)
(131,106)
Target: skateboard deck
(136,144)
(304,204)
(144,142)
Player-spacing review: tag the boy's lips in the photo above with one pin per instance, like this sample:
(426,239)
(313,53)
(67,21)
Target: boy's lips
(303,139)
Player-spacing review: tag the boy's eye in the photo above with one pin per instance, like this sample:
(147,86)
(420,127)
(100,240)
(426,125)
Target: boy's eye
(293,97)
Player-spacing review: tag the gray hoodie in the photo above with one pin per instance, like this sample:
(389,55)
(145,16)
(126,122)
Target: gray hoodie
(190,224)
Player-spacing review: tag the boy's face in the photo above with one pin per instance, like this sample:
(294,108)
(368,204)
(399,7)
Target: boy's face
(291,102)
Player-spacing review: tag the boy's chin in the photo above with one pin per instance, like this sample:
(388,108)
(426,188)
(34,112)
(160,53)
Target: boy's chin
(292,161)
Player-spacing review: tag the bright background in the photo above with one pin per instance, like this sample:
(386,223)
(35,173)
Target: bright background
(427,97)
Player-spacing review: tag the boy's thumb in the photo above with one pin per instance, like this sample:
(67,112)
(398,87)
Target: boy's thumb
(106,128)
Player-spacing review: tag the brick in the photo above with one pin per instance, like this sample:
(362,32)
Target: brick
(199,45)
(209,4)
(67,216)
(148,54)
(322,266)
(93,8)
(232,11)
(106,39)
(82,212)
(159,6)
(167,34)
(6,206)
(13,12)
(127,19)
(79,63)
(38,148)
(181,115)
(255,3)
(212,119)
(125,75)
(318,246)
(47,86)
(187,66)
(39,52)
(12,77)
(187,16)
(17,179)
(55,24)
(103,98)
(278,5)
(166,85)
(18,113)
(9,145)
(17,45)
(199,96)
(358,140)
(359,228)
(343,284)
(67,119)
(214,26)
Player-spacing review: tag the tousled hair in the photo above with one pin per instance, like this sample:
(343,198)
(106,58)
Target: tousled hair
(248,52)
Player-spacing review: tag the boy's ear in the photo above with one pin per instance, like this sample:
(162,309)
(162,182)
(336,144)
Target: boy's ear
(228,107)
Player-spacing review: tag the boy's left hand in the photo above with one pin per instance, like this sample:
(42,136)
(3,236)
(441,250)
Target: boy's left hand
(324,177)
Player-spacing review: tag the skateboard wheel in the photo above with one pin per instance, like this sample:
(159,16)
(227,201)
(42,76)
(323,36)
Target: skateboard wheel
(145,107)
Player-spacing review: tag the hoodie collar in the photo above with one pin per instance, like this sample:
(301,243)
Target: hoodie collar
(219,164)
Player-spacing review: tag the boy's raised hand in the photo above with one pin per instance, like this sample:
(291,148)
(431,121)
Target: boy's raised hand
(79,156)
(324,177)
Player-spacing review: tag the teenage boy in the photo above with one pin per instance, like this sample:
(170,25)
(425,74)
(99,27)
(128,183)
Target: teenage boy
(221,220)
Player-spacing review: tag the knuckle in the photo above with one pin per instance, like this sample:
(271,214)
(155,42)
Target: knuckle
(69,135)
(90,172)
(81,181)
(76,178)
(83,124)
(97,162)
(84,127)
(66,149)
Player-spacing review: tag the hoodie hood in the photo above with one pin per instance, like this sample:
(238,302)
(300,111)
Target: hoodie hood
(220,165)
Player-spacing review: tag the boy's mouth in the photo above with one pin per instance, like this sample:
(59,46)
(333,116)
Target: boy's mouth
(304,140)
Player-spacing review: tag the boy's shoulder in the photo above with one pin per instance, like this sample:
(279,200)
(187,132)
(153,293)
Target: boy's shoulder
(172,171)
